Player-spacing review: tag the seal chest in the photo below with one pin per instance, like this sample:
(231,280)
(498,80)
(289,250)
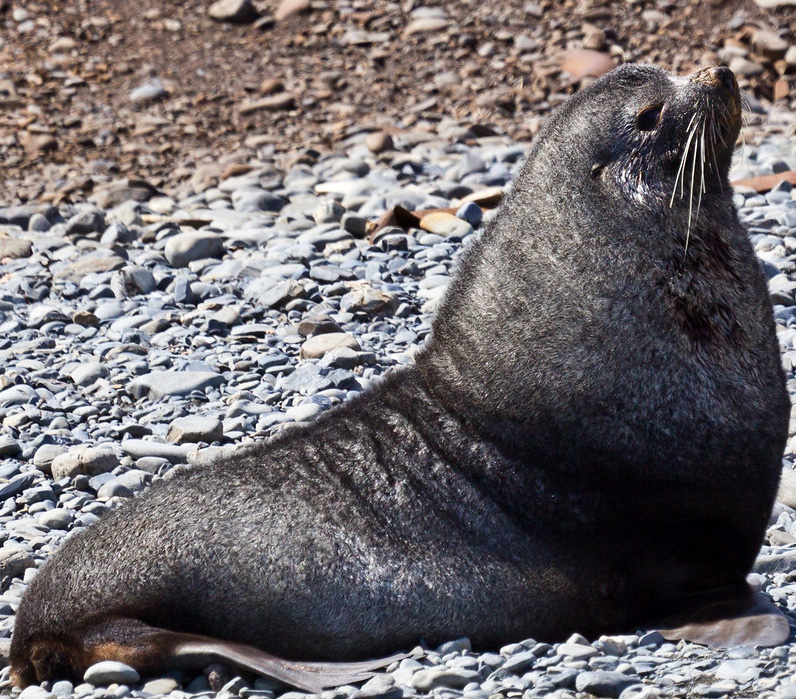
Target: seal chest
(590,441)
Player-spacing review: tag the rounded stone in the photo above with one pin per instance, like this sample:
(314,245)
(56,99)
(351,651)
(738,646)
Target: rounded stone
(602,683)
(184,248)
(44,455)
(445,224)
(87,373)
(58,518)
(195,429)
(318,345)
(107,672)
(84,459)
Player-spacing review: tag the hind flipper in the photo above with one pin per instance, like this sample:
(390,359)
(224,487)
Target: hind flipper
(742,620)
(198,651)
(151,651)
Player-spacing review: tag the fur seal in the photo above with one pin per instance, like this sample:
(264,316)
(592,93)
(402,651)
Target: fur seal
(590,441)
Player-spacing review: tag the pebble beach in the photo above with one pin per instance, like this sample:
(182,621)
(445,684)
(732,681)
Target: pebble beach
(149,330)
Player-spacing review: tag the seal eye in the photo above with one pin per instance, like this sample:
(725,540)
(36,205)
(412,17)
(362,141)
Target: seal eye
(647,119)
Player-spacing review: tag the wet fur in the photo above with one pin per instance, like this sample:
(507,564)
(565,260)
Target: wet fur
(593,434)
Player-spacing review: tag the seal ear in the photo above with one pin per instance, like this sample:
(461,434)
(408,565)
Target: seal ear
(596,170)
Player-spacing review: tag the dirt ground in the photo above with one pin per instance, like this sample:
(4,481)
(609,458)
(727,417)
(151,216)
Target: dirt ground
(310,73)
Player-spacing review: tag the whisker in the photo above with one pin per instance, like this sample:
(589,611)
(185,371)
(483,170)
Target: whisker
(681,169)
(690,198)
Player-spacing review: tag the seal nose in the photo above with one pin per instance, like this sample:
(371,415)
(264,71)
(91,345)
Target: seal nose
(723,75)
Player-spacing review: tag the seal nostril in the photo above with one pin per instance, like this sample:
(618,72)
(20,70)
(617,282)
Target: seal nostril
(726,76)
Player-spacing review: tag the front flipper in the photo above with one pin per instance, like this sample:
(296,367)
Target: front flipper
(151,650)
(749,619)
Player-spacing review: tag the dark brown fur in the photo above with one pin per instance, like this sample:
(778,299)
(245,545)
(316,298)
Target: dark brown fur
(590,441)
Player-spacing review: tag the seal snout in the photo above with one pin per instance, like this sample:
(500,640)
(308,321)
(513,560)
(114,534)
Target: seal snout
(719,77)
(723,86)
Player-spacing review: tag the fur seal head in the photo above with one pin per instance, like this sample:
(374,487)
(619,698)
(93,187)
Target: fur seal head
(661,137)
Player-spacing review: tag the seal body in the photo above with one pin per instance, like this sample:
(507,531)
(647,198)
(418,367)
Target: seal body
(590,441)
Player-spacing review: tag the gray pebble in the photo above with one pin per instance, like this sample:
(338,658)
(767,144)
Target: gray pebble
(604,684)
(172,383)
(110,672)
(195,429)
(83,459)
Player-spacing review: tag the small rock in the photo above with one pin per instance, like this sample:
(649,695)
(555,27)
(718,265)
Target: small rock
(445,224)
(787,488)
(330,211)
(379,142)
(460,645)
(470,212)
(651,638)
(282,100)
(44,455)
(62,43)
(425,25)
(237,11)
(14,562)
(318,345)
(39,223)
(85,222)
(116,233)
(83,459)
(354,224)
(88,372)
(164,685)
(270,86)
(144,448)
(132,281)
(195,429)
(15,248)
(581,63)
(184,248)
(745,68)
(287,8)
(741,671)
(159,384)
(63,688)
(366,299)
(442,676)
(303,412)
(148,92)
(86,319)
(110,672)
(486,198)
(577,651)
(35,692)
(269,294)
(769,44)
(601,683)
(59,518)
(9,447)
(518,663)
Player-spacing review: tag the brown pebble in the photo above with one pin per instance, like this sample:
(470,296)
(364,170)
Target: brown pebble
(781,89)
(86,319)
(379,142)
(582,62)
(270,86)
(282,100)
(287,8)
